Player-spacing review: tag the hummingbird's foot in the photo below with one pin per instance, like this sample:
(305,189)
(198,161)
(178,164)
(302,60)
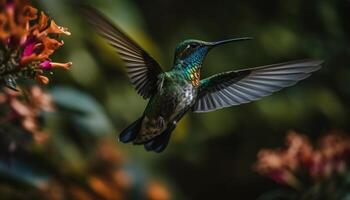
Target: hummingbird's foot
(151,128)
(160,122)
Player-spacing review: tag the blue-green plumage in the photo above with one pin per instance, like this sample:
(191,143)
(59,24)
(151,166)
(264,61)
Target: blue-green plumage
(173,93)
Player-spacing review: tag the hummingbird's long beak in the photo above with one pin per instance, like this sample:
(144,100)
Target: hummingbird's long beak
(213,44)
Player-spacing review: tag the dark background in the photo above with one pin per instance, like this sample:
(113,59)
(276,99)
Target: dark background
(211,155)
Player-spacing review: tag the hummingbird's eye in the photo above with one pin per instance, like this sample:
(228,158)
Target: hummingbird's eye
(193,45)
(188,49)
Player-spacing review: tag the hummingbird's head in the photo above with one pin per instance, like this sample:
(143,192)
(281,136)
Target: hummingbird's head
(194,51)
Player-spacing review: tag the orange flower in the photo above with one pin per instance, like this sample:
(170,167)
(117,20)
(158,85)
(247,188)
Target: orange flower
(27,37)
(157,191)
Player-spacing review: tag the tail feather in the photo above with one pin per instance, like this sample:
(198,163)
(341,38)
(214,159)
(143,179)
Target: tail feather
(160,142)
(130,133)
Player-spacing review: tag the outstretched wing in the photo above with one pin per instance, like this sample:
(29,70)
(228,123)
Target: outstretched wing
(243,86)
(142,69)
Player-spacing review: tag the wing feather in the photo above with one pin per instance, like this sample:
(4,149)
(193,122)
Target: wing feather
(243,86)
(141,68)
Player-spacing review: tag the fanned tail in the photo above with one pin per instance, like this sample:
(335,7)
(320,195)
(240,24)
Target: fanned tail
(130,133)
(156,144)
(160,142)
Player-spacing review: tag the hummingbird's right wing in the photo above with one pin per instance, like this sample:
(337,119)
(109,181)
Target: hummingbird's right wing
(142,69)
(243,86)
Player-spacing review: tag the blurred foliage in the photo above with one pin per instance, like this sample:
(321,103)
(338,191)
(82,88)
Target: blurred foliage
(210,155)
(75,159)
(319,171)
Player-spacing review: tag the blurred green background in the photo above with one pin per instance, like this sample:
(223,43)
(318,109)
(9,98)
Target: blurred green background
(210,155)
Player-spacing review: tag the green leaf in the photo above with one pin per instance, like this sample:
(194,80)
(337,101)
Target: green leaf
(24,173)
(85,111)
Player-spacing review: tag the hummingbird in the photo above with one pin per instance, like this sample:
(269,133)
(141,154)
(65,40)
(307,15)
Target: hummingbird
(180,90)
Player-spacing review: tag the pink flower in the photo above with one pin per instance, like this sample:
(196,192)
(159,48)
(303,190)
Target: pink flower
(28,49)
(284,166)
(46,65)
(27,37)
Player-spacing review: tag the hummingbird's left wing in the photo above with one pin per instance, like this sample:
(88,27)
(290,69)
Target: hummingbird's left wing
(142,69)
(243,86)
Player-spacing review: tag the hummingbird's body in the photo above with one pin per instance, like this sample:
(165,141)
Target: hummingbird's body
(176,94)
(173,93)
